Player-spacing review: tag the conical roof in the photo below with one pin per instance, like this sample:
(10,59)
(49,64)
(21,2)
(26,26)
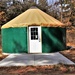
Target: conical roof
(33,17)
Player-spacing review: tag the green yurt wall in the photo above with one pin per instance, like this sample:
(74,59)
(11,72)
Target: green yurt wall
(14,40)
(53,39)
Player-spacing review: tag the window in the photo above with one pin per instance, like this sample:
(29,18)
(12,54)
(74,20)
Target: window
(34,33)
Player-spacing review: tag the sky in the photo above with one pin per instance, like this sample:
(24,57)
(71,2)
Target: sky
(51,1)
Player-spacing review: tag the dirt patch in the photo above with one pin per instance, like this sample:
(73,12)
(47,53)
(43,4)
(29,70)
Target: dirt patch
(70,36)
(39,70)
(70,42)
(70,54)
(2,57)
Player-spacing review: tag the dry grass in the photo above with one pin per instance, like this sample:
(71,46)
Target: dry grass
(70,54)
(70,42)
(70,36)
(1,55)
(39,70)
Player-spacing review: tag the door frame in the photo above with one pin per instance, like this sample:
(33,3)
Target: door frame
(29,38)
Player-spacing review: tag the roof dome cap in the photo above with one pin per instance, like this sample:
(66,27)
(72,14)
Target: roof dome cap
(33,7)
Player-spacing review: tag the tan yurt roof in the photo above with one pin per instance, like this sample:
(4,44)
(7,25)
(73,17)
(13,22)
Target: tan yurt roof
(33,17)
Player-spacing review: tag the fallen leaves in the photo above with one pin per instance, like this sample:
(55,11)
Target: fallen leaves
(25,70)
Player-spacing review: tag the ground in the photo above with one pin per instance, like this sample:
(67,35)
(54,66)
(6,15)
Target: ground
(38,70)
(46,70)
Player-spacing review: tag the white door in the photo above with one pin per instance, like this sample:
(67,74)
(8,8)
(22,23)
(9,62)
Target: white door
(35,39)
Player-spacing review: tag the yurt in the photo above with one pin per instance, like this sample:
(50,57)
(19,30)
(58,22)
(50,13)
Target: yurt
(33,31)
